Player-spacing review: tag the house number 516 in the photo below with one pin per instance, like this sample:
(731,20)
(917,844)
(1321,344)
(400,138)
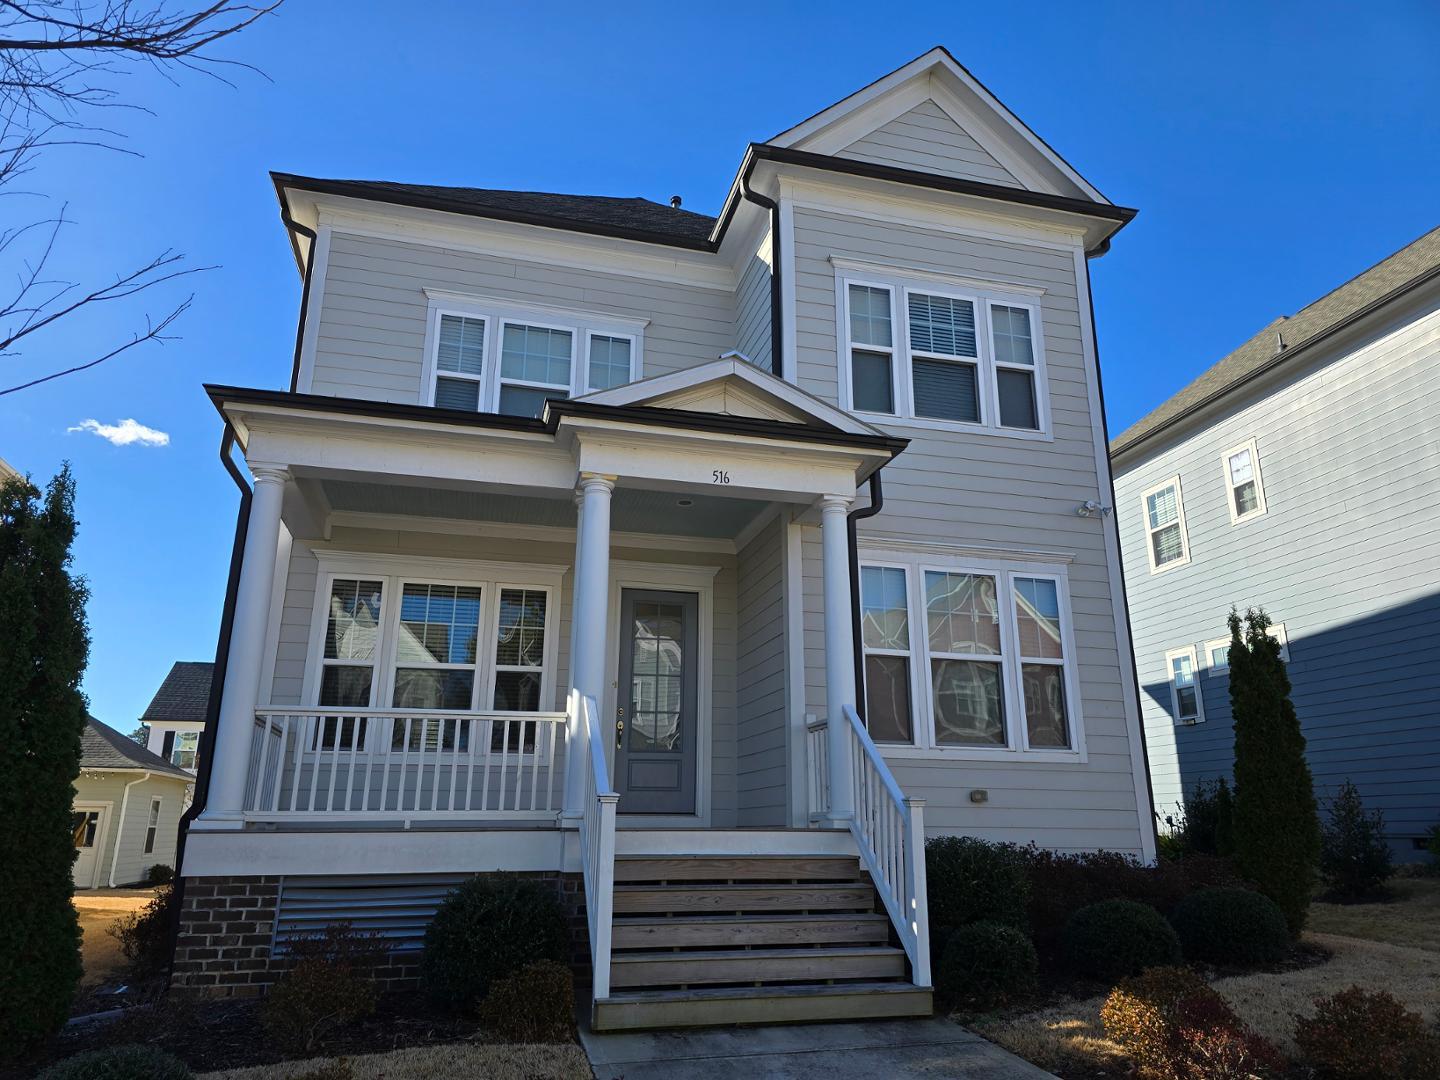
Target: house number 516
(720,476)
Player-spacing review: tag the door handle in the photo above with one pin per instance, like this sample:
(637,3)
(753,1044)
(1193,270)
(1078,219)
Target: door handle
(619,734)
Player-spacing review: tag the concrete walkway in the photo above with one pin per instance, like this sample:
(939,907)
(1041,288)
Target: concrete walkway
(883,1049)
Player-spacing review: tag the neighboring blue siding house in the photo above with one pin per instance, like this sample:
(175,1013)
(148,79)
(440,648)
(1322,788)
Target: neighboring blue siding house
(1301,474)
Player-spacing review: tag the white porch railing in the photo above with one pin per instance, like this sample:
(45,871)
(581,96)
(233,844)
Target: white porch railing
(597,847)
(345,764)
(889,830)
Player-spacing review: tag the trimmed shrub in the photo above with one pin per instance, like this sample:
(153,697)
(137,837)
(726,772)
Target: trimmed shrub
(1062,884)
(1115,938)
(1355,858)
(330,985)
(535,1004)
(488,929)
(119,1063)
(970,880)
(160,874)
(144,935)
(1357,1035)
(985,965)
(1231,926)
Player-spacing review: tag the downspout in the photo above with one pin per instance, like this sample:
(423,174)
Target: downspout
(877,503)
(120,825)
(777,313)
(206,747)
(293,227)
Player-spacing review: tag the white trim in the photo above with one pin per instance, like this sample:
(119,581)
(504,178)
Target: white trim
(623,324)
(666,576)
(589,334)
(314,307)
(966,551)
(1115,573)
(1184,559)
(556,534)
(1186,652)
(1237,518)
(735,842)
(796,735)
(102,829)
(788,361)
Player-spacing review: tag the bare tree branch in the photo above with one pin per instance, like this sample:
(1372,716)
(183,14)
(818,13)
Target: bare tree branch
(153,332)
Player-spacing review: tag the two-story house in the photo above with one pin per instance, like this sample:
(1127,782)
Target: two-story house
(1301,474)
(175,716)
(588,529)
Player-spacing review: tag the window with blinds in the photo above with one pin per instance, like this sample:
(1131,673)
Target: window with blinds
(1167,544)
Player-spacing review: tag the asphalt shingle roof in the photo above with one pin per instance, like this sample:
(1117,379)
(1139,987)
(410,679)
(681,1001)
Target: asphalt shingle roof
(661,220)
(1416,260)
(103,747)
(185,693)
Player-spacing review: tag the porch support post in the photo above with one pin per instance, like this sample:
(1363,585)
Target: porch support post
(839,653)
(590,618)
(236,724)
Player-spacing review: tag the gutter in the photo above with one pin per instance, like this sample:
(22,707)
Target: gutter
(877,503)
(306,265)
(120,825)
(777,313)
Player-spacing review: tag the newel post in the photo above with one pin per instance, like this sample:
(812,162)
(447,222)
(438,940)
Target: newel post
(916,888)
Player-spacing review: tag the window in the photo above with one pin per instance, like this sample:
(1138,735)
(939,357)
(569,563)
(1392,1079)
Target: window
(942,357)
(347,665)
(184,748)
(520,650)
(1167,543)
(83,825)
(153,825)
(968,659)
(496,356)
(1246,496)
(1186,706)
(1218,651)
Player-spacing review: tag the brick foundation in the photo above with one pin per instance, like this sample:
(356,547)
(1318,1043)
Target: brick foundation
(227,930)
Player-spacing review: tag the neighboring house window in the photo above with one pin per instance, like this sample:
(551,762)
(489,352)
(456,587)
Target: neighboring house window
(1242,481)
(1218,651)
(494,357)
(1167,543)
(968,659)
(83,824)
(941,356)
(184,748)
(153,825)
(1184,689)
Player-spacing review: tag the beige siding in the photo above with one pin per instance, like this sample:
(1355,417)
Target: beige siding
(752,308)
(963,488)
(761,742)
(372,315)
(926,139)
(133,863)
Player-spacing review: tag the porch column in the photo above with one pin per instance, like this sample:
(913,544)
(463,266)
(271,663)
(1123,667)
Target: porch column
(839,652)
(591,620)
(236,726)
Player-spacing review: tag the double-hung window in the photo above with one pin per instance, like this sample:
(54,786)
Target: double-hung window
(1245,494)
(1186,704)
(1166,541)
(968,659)
(348,657)
(500,357)
(1217,652)
(152,825)
(941,355)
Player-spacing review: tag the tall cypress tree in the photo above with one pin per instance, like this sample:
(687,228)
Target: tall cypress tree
(1275,827)
(44,644)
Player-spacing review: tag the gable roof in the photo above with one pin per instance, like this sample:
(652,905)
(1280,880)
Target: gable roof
(1387,280)
(185,693)
(103,747)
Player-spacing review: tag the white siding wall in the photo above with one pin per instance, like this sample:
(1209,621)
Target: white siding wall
(954,487)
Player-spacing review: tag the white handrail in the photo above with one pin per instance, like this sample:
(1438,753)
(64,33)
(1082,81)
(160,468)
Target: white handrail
(597,846)
(889,830)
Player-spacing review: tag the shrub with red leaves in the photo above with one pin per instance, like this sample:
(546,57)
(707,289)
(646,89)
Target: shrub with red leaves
(1358,1035)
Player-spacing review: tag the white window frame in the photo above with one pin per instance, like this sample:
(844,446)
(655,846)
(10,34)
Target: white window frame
(1237,518)
(922,720)
(1184,559)
(152,823)
(1170,657)
(394,572)
(498,313)
(911,655)
(1276,630)
(982,297)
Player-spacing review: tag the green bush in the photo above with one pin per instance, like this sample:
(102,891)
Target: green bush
(1231,926)
(1356,1035)
(331,984)
(970,880)
(144,935)
(1115,938)
(119,1063)
(535,1004)
(1355,858)
(1202,825)
(985,965)
(1061,884)
(488,929)
(160,874)
(1432,844)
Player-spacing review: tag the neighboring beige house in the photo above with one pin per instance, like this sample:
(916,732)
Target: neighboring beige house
(567,555)
(127,809)
(7,471)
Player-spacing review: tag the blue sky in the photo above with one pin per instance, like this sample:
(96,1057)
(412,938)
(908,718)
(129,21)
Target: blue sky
(1273,151)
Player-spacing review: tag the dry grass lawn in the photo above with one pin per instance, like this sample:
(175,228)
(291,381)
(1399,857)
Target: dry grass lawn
(98,908)
(563,1061)
(1411,918)
(1072,1036)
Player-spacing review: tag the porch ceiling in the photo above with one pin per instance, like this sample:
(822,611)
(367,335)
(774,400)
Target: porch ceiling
(632,510)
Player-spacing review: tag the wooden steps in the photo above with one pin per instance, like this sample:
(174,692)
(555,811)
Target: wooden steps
(725,939)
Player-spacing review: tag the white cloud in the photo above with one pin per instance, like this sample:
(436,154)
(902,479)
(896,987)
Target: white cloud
(125,433)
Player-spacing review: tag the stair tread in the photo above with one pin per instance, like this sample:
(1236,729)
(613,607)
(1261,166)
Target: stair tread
(743,992)
(825,952)
(708,887)
(787,857)
(622,918)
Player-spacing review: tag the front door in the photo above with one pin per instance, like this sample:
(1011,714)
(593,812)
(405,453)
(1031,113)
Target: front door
(87,826)
(655,721)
